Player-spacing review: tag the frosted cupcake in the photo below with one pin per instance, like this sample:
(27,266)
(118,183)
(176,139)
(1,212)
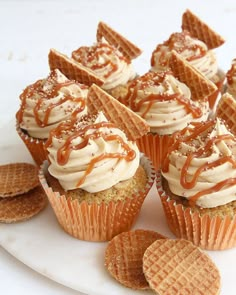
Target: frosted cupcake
(167,106)
(195,44)
(197,185)
(44,105)
(110,58)
(97,182)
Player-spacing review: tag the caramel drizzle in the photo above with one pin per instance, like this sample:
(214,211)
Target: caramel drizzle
(46,95)
(157,79)
(65,150)
(230,74)
(89,57)
(200,128)
(185,45)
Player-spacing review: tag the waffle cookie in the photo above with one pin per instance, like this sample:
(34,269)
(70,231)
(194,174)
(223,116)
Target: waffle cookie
(99,100)
(128,49)
(200,30)
(226,110)
(179,267)
(22,207)
(200,86)
(72,69)
(17,179)
(123,257)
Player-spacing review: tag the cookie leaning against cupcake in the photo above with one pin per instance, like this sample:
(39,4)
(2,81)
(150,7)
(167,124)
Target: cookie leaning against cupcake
(97,181)
(109,59)
(195,44)
(44,105)
(168,101)
(197,185)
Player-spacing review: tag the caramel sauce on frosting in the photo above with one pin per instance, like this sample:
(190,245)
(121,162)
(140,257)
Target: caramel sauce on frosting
(208,146)
(108,144)
(191,49)
(164,102)
(107,62)
(180,42)
(55,94)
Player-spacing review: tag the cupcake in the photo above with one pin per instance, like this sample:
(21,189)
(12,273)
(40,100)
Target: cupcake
(44,105)
(194,43)
(96,181)
(167,106)
(197,185)
(110,58)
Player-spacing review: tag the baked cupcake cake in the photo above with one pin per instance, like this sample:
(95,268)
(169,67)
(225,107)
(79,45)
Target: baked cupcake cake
(96,181)
(109,60)
(44,105)
(197,185)
(168,105)
(195,44)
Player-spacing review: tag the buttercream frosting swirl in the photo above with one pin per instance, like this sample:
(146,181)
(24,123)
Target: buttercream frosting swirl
(49,101)
(191,49)
(91,154)
(107,62)
(201,164)
(164,102)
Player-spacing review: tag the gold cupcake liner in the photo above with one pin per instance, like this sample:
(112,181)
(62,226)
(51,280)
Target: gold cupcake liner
(155,147)
(97,222)
(210,233)
(35,146)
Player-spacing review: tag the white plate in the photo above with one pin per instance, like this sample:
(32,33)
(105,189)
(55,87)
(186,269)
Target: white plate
(41,244)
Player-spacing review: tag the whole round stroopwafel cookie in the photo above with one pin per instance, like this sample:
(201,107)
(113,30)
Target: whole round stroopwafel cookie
(17,179)
(179,267)
(124,254)
(22,207)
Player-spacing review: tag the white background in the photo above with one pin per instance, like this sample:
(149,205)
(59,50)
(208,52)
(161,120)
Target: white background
(28,29)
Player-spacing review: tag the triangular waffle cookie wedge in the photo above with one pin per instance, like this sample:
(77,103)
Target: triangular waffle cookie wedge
(200,86)
(179,267)
(22,207)
(17,179)
(226,110)
(124,257)
(128,49)
(72,69)
(99,100)
(200,30)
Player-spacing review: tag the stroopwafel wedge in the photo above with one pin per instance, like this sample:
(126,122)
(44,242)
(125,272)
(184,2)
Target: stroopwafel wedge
(99,100)
(72,69)
(124,254)
(17,178)
(226,110)
(128,49)
(200,30)
(22,207)
(200,86)
(179,267)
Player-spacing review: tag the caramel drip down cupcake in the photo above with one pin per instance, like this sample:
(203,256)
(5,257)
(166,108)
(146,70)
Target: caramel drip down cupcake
(197,185)
(44,105)
(195,52)
(166,105)
(96,183)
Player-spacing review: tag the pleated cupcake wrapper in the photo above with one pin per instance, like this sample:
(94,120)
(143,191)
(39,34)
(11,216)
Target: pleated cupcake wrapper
(97,222)
(155,147)
(35,146)
(213,97)
(210,233)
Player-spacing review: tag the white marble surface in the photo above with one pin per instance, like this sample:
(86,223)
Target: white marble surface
(29,28)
